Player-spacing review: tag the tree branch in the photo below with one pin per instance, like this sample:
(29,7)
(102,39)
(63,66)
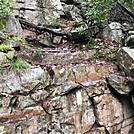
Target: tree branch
(71,37)
(41,29)
(126,9)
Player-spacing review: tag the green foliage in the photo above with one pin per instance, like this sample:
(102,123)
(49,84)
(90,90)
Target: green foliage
(5,10)
(38,52)
(5,48)
(8,56)
(19,64)
(96,14)
(16,38)
(97,10)
(128,3)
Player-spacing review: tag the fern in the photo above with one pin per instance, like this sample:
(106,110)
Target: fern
(5,48)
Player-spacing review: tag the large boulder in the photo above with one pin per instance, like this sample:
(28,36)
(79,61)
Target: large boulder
(123,85)
(13,27)
(113,32)
(125,59)
(39,11)
(73,12)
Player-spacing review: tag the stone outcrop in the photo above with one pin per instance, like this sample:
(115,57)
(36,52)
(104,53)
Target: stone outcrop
(43,11)
(126,60)
(123,85)
(13,27)
(77,99)
(113,32)
(65,94)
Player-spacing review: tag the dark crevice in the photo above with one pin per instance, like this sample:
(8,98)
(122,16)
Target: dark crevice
(22,8)
(96,124)
(119,96)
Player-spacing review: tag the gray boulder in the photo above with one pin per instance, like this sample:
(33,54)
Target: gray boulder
(125,58)
(13,27)
(113,32)
(123,85)
(74,12)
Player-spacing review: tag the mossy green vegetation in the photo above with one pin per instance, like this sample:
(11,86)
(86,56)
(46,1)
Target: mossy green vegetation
(8,56)
(38,52)
(19,64)
(16,38)
(5,48)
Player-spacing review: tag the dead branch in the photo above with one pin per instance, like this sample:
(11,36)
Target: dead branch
(126,9)
(41,29)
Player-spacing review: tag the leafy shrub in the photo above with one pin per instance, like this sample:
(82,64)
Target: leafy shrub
(96,15)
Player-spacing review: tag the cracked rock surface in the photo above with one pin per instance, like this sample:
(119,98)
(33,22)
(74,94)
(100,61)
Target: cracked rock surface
(77,99)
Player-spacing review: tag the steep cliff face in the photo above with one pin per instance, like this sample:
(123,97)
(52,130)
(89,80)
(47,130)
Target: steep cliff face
(66,94)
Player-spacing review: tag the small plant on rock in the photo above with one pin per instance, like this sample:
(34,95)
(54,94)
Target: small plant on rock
(19,64)
(38,52)
(16,38)
(5,48)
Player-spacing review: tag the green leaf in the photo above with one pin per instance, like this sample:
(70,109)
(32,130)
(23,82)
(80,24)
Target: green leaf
(1,26)
(4,23)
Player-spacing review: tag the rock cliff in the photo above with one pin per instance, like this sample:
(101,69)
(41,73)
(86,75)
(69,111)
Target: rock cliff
(63,93)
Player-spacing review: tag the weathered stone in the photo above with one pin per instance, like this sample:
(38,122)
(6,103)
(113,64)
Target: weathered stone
(40,9)
(57,40)
(12,43)
(31,77)
(97,88)
(125,59)
(122,85)
(73,12)
(108,110)
(67,107)
(66,58)
(13,27)
(2,56)
(113,32)
(68,95)
(130,39)
(9,82)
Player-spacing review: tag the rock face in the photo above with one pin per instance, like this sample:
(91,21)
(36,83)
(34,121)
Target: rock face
(123,85)
(113,32)
(60,98)
(13,27)
(77,99)
(126,60)
(41,10)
